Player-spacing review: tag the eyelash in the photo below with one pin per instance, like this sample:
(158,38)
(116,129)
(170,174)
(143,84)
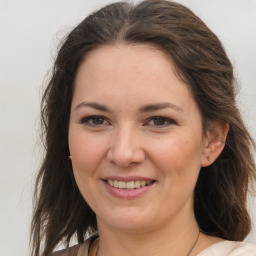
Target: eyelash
(87,121)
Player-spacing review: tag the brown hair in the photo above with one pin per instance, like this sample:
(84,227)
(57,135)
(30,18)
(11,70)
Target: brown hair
(201,62)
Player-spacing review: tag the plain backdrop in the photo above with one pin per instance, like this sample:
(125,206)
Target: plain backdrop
(30,30)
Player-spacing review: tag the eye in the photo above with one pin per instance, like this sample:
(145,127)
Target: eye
(95,121)
(159,121)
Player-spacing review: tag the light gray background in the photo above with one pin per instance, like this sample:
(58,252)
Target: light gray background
(29,32)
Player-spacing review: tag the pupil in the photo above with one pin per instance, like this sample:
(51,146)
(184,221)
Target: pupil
(159,121)
(98,120)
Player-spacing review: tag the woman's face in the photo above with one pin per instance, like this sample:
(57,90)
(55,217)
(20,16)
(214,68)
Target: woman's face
(135,138)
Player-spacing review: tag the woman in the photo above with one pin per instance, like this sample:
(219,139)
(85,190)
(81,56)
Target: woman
(146,151)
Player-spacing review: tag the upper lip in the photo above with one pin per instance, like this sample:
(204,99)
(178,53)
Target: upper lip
(126,179)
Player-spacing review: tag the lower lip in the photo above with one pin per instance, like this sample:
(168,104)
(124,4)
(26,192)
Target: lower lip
(127,193)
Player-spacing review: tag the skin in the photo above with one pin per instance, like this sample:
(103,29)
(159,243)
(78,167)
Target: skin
(128,141)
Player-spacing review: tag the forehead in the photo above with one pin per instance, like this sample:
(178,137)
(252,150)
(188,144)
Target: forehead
(129,72)
(124,57)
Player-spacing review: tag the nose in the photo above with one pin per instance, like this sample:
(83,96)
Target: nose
(125,148)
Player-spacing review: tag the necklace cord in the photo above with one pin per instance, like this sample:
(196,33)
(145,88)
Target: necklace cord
(193,244)
(191,249)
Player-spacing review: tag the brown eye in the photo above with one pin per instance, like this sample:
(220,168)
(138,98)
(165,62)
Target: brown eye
(159,121)
(97,120)
(94,121)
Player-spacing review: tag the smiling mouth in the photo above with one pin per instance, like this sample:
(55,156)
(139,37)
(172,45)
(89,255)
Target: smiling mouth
(130,184)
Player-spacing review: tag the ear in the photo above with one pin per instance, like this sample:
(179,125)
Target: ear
(214,142)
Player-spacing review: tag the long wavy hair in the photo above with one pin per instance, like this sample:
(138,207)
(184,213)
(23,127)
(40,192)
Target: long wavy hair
(60,212)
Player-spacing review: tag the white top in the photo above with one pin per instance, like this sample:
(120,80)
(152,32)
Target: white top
(229,248)
(226,248)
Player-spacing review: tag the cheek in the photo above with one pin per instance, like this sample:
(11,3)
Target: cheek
(87,151)
(178,155)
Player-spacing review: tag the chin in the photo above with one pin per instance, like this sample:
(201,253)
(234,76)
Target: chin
(132,221)
(132,226)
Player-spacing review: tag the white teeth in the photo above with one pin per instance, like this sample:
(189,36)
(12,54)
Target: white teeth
(136,184)
(121,184)
(143,183)
(129,185)
(116,183)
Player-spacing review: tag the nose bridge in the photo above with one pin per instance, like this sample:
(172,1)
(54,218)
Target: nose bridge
(123,138)
(125,147)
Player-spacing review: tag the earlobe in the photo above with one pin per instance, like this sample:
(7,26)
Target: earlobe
(214,142)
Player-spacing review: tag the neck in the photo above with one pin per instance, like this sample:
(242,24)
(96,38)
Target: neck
(176,238)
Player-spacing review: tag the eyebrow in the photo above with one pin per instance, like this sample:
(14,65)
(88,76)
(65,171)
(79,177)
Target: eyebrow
(159,106)
(93,105)
(146,108)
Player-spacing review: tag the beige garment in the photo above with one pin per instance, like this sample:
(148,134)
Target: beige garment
(229,248)
(226,248)
(84,248)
